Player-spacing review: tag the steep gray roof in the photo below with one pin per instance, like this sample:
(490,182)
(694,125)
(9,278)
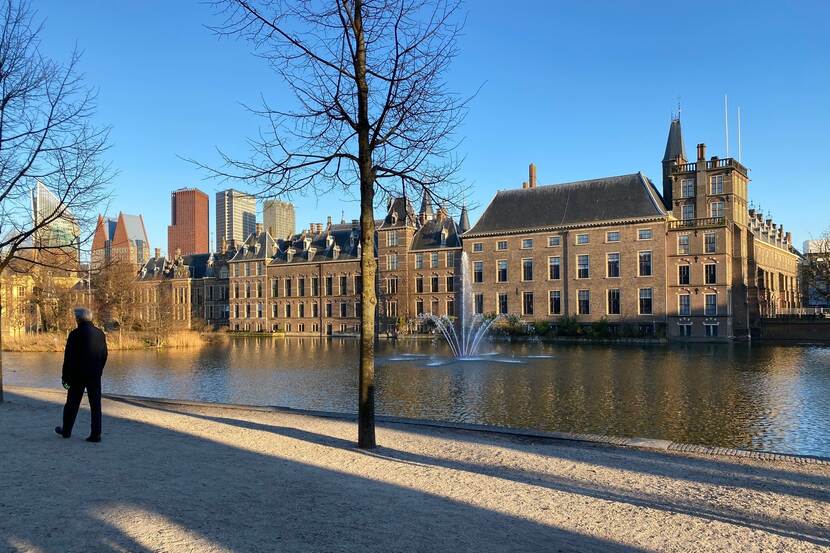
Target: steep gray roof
(464,221)
(428,237)
(134,226)
(571,204)
(399,214)
(674,144)
(256,246)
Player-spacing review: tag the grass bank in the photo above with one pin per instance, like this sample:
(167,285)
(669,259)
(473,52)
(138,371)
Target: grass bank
(55,341)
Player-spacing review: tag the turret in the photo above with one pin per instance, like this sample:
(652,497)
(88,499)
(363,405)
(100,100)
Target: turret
(425,213)
(463,221)
(675,155)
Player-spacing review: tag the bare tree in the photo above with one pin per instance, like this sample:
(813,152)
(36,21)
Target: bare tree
(373,115)
(52,177)
(114,294)
(816,271)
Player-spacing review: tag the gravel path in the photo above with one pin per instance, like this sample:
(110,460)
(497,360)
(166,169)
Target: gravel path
(212,479)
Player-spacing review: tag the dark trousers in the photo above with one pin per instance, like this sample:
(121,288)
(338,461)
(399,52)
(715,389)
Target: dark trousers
(73,403)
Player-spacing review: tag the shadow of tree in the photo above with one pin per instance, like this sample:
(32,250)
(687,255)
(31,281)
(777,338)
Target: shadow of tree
(57,492)
(699,470)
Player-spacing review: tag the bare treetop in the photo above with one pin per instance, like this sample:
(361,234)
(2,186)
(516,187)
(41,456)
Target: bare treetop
(52,176)
(408,45)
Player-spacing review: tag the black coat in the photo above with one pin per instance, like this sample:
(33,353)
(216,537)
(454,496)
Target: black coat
(85,355)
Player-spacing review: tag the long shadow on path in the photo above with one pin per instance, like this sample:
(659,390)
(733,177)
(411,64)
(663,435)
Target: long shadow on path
(57,492)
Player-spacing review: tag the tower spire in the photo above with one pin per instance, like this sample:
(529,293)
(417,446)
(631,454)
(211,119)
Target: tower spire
(675,154)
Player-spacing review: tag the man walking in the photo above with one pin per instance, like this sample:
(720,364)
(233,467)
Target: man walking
(83,363)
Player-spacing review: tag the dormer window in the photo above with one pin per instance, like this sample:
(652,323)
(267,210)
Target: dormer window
(444,234)
(329,240)
(289,254)
(311,252)
(306,243)
(394,218)
(336,252)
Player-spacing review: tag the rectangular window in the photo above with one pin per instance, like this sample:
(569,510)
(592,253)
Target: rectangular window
(582,239)
(527,243)
(716,209)
(328,309)
(612,236)
(287,288)
(554,241)
(301,310)
(613,265)
(709,242)
(501,273)
(315,286)
(683,244)
(433,260)
(451,307)
(501,245)
(419,284)
(392,238)
(502,304)
(583,302)
(287,310)
(710,308)
(392,285)
(684,305)
(687,212)
(419,261)
(554,302)
(301,286)
(315,310)
(711,330)
(527,269)
(716,184)
(683,272)
(450,259)
(392,262)
(685,330)
(645,263)
(419,306)
(434,283)
(344,285)
(527,303)
(478,247)
(478,271)
(710,273)
(344,310)
(614,301)
(450,283)
(644,234)
(554,267)
(687,188)
(645,301)
(329,285)
(478,302)
(582,266)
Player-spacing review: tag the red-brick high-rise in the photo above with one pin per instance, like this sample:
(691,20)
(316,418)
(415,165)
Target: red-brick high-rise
(189,218)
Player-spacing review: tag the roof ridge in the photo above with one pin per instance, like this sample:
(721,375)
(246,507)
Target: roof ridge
(572,184)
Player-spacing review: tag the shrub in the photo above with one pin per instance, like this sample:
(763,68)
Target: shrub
(568,326)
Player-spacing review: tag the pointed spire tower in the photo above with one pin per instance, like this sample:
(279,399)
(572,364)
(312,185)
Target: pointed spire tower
(463,221)
(675,155)
(425,214)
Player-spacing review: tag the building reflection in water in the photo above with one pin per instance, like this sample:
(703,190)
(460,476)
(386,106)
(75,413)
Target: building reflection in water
(737,395)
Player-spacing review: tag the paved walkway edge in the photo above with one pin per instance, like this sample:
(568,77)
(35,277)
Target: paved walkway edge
(641,443)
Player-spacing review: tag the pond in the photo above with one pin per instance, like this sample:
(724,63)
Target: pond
(766,397)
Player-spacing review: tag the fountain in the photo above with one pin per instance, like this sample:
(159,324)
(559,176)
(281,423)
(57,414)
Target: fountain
(464,336)
(467,332)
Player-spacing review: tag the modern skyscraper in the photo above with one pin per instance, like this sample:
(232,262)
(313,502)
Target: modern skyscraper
(59,228)
(190,220)
(278,218)
(235,217)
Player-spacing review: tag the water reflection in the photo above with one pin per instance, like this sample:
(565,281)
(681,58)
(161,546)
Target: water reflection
(762,397)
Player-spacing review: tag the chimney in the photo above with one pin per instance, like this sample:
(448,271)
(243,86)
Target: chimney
(328,221)
(788,238)
(769,222)
(701,152)
(259,228)
(524,184)
(157,252)
(751,213)
(531,183)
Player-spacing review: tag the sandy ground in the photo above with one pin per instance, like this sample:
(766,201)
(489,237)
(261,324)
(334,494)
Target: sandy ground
(213,479)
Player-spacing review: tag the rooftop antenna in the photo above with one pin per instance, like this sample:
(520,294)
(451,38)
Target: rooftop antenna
(678,108)
(740,150)
(726,122)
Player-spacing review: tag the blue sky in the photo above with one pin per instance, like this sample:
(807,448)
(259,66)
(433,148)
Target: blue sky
(582,89)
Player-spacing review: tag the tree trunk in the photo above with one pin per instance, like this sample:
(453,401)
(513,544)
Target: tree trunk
(368,264)
(1,347)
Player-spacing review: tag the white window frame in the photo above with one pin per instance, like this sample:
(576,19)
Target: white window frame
(554,241)
(716,179)
(579,237)
(650,234)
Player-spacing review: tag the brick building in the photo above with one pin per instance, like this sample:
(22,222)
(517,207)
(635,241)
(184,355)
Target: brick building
(121,239)
(189,222)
